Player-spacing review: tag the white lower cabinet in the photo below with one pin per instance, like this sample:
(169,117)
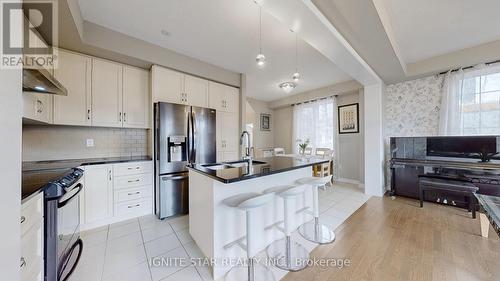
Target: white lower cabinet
(116,192)
(97,199)
(31,260)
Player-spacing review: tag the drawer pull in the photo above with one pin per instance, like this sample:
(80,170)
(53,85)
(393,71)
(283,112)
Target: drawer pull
(133,206)
(134,193)
(23,262)
(135,180)
(23,219)
(131,168)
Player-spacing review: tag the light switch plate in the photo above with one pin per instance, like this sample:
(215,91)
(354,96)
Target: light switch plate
(90,142)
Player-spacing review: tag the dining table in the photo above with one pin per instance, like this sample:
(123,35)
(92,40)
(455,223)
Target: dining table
(489,208)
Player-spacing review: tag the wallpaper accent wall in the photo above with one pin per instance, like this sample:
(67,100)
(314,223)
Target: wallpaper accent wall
(412,109)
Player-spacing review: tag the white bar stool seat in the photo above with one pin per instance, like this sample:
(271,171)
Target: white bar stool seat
(248,202)
(314,231)
(287,254)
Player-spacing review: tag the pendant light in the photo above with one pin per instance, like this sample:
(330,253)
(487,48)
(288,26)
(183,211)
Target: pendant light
(296,75)
(260,59)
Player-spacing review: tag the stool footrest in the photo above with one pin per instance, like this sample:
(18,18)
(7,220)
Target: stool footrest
(238,242)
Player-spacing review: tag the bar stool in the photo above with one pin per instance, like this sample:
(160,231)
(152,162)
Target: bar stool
(248,202)
(314,231)
(288,255)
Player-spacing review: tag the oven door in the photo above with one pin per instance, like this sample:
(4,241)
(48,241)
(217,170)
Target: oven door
(69,245)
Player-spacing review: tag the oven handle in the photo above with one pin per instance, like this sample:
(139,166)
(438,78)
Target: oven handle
(79,243)
(62,204)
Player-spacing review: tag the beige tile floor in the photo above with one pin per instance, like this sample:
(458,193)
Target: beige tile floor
(121,251)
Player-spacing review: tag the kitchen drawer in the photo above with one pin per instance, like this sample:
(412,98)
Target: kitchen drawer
(132,168)
(132,181)
(133,206)
(31,253)
(31,213)
(123,195)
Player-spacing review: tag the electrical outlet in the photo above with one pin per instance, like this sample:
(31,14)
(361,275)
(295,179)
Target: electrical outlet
(90,142)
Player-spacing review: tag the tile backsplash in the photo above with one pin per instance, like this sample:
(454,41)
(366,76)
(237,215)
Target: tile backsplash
(68,142)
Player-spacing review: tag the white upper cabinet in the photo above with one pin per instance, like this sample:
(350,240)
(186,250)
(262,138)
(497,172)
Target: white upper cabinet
(223,97)
(167,85)
(175,87)
(195,91)
(106,94)
(37,107)
(74,72)
(135,97)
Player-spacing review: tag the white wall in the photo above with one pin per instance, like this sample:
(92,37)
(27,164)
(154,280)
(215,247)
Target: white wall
(374,148)
(283,124)
(351,146)
(10,167)
(261,139)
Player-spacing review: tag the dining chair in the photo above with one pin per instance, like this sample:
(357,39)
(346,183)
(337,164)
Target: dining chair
(326,169)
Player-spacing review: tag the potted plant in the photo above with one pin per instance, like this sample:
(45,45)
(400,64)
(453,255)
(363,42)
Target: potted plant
(303,146)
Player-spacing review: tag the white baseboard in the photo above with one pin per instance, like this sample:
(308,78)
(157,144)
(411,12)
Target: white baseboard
(346,180)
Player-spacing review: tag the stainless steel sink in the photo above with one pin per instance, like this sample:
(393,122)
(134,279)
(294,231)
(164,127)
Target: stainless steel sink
(230,165)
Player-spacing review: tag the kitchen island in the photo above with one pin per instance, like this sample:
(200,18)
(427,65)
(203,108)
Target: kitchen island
(213,225)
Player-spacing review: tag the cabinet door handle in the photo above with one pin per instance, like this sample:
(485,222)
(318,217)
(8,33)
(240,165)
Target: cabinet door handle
(120,117)
(134,193)
(88,114)
(124,116)
(133,206)
(23,262)
(23,219)
(135,180)
(109,173)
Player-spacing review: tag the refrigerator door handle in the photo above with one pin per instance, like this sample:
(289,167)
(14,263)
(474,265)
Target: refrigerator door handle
(193,121)
(189,137)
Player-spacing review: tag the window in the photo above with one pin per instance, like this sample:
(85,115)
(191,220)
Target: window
(480,104)
(314,121)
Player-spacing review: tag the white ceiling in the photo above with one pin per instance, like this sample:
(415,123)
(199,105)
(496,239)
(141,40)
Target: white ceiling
(221,32)
(428,28)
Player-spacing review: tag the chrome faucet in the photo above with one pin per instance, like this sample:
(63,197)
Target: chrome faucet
(248,154)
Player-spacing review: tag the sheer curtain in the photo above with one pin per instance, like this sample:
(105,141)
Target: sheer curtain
(317,122)
(450,118)
(470,103)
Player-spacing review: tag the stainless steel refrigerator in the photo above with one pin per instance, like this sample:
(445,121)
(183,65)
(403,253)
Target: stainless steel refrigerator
(183,135)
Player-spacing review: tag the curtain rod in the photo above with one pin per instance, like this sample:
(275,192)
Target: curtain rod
(468,67)
(313,100)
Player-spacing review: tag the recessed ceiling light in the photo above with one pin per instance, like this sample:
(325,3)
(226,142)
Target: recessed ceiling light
(165,33)
(258,2)
(287,86)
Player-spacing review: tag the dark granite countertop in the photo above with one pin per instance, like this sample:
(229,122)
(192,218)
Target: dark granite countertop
(36,174)
(262,167)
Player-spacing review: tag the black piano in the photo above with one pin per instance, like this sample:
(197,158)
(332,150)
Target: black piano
(473,159)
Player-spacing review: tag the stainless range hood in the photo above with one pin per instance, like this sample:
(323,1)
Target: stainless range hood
(41,81)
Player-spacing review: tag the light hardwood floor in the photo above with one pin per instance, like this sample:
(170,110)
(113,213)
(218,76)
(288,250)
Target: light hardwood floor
(396,240)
